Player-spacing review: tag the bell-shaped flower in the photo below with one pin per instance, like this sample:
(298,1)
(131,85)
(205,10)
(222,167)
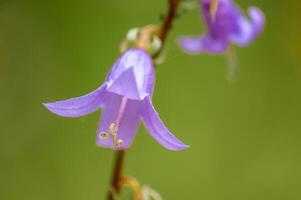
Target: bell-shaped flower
(225,25)
(125,99)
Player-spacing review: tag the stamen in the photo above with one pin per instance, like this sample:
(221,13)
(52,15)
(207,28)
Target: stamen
(103,136)
(113,128)
(119,142)
(213,9)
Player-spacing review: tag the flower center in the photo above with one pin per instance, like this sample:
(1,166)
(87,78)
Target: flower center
(114,126)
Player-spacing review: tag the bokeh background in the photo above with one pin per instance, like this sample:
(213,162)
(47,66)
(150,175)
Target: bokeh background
(244,134)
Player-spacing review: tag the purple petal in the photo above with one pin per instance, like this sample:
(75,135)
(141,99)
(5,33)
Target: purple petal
(78,106)
(249,29)
(204,44)
(132,75)
(258,20)
(158,130)
(225,20)
(128,125)
(126,85)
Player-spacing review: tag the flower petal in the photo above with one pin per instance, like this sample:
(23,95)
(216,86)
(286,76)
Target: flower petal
(204,44)
(126,85)
(79,106)
(132,75)
(128,125)
(249,29)
(258,19)
(158,130)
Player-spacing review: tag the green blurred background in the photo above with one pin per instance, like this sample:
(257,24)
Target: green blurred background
(244,135)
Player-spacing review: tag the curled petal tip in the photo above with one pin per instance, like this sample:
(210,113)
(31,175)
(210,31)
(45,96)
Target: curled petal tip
(78,106)
(158,130)
(257,18)
(180,147)
(249,27)
(174,145)
(51,107)
(62,111)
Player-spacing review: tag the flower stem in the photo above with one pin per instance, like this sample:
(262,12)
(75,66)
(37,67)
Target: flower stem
(117,174)
(120,155)
(168,19)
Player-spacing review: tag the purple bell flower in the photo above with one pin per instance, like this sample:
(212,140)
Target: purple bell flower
(125,98)
(225,26)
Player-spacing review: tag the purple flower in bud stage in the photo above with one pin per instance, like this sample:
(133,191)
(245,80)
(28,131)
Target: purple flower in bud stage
(125,98)
(225,24)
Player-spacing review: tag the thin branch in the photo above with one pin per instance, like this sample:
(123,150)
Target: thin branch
(164,30)
(117,174)
(167,22)
(168,19)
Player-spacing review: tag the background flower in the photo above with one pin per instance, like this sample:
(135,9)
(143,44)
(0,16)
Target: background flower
(227,26)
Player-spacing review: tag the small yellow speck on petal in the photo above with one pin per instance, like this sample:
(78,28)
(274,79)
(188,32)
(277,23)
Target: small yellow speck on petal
(103,136)
(119,142)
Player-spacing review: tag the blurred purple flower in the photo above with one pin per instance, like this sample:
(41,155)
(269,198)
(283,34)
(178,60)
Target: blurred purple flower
(225,25)
(125,98)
